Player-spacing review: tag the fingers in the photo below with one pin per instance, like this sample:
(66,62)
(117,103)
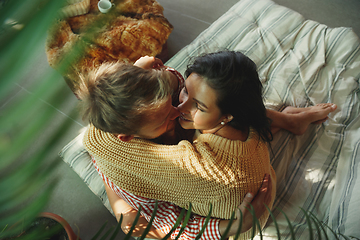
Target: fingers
(258,203)
(243,214)
(269,191)
(266,190)
(265,184)
(157,63)
(262,197)
(147,62)
(264,194)
(246,201)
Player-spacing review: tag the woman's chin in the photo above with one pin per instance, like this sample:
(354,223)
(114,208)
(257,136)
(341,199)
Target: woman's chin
(186,124)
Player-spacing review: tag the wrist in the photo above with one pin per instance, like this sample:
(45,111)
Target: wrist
(233,229)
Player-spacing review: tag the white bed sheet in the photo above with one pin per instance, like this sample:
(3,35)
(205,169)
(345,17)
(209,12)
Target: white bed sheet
(300,63)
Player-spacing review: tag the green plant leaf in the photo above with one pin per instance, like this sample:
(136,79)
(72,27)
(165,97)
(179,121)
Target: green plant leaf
(116,231)
(22,217)
(198,236)
(177,223)
(102,228)
(256,221)
(224,236)
(346,238)
(275,223)
(107,233)
(147,229)
(308,222)
(332,231)
(320,225)
(185,221)
(238,232)
(24,28)
(128,235)
(292,233)
(317,225)
(19,50)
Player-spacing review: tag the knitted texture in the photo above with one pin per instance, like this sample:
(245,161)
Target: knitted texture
(212,170)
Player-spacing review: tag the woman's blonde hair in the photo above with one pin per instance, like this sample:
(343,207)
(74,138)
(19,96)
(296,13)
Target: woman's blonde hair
(119,97)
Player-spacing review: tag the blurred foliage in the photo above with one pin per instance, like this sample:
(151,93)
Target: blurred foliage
(25,172)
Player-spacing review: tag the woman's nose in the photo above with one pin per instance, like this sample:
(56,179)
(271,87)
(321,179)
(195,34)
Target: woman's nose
(182,107)
(174,113)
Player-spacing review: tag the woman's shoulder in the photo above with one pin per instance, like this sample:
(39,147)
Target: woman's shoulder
(234,136)
(252,142)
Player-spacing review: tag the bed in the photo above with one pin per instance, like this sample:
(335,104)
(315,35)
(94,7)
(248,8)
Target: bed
(301,63)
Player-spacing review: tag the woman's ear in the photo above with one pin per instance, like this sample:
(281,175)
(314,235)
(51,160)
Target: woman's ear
(124,137)
(229,118)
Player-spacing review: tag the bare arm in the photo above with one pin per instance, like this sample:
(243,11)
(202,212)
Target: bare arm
(120,207)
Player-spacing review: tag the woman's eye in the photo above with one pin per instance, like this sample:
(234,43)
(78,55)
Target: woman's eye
(199,108)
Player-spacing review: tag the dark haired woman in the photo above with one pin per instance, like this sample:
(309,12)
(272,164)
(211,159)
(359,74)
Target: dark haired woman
(222,100)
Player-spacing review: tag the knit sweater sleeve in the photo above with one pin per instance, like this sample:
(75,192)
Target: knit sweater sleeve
(166,215)
(213,170)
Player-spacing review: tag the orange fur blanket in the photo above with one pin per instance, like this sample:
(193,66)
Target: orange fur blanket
(133,28)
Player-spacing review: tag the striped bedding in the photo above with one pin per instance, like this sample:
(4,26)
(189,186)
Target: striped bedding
(301,63)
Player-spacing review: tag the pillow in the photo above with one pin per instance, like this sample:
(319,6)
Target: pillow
(79,160)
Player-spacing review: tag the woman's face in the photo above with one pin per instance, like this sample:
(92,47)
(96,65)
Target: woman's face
(198,108)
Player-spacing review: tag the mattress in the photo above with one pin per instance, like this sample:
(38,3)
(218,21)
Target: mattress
(300,63)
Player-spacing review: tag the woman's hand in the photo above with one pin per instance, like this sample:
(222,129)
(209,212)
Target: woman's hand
(263,197)
(149,62)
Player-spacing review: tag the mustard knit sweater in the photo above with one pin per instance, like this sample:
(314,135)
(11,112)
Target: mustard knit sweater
(212,170)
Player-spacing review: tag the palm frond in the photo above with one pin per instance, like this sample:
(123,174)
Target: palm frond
(238,232)
(185,221)
(102,229)
(308,221)
(25,182)
(205,224)
(147,229)
(133,225)
(289,225)
(275,223)
(232,217)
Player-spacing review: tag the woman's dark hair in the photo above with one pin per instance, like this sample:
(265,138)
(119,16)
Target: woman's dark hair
(235,79)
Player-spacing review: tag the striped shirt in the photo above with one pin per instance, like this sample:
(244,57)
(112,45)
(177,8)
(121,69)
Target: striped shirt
(166,215)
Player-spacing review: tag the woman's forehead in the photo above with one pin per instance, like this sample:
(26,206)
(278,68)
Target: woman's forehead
(199,90)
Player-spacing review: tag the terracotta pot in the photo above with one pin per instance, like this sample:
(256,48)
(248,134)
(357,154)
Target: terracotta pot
(63,222)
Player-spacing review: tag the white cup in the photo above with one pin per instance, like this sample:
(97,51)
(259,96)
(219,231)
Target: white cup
(105,6)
